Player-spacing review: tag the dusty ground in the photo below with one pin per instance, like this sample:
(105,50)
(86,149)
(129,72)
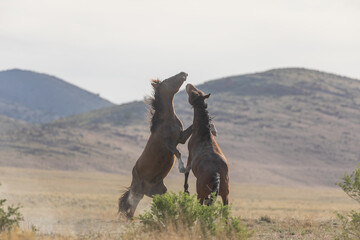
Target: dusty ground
(72,203)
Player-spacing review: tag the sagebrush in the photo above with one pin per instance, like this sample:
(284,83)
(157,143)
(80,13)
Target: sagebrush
(10,216)
(182,214)
(350,223)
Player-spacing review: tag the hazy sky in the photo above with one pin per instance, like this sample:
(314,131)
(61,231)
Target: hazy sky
(113,47)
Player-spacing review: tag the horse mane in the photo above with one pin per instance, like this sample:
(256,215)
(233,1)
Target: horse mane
(204,120)
(155,105)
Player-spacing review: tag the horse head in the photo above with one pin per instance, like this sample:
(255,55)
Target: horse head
(195,95)
(162,100)
(169,87)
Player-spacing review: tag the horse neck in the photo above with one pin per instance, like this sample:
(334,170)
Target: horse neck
(162,109)
(167,108)
(201,122)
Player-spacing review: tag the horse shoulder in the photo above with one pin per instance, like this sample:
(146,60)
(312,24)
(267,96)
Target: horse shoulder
(169,131)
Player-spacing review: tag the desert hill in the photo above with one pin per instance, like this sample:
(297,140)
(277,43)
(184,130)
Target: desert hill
(7,124)
(284,126)
(40,98)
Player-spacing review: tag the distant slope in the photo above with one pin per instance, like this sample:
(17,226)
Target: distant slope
(283,126)
(10,124)
(39,98)
(132,113)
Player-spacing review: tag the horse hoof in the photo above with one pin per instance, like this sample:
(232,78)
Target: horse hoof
(187,192)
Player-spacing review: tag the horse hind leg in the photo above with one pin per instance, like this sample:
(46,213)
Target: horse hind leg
(124,204)
(225,199)
(201,200)
(134,200)
(128,203)
(224,193)
(224,190)
(159,188)
(202,190)
(207,201)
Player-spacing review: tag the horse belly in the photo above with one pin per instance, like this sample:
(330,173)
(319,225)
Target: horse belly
(164,167)
(156,168)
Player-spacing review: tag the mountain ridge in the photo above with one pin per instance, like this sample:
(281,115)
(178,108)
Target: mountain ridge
(38,98)
(282,126)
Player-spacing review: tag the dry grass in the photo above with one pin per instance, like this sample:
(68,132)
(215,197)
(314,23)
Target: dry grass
(84,205)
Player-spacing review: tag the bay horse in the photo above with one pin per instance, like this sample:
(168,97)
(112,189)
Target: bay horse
(158,156)
(206,159)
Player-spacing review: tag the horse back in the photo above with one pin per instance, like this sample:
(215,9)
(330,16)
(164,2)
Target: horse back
(206,156)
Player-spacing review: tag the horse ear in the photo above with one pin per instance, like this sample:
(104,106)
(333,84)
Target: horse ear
(193,93)
(207,96)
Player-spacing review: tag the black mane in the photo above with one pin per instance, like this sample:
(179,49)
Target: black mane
(205,120)
(155,104)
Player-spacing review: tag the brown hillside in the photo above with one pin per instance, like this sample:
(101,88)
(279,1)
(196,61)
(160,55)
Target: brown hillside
(9,124)
(284,126)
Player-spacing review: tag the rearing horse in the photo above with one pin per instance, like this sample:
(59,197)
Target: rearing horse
(206,159)
(158,156)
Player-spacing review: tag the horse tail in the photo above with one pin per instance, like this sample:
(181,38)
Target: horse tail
(124,203)
(215,189)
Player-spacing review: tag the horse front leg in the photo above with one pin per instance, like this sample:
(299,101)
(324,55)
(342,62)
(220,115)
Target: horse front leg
(175,151)
(200,199)
(134,199)
(181,166)
(184,135)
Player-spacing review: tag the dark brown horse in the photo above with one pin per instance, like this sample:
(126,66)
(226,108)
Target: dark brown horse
(158,157)
(206,160)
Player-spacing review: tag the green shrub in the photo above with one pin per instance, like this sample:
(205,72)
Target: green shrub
(265,218)
(180,211)
(350,223)
(10,217)
(351,184)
